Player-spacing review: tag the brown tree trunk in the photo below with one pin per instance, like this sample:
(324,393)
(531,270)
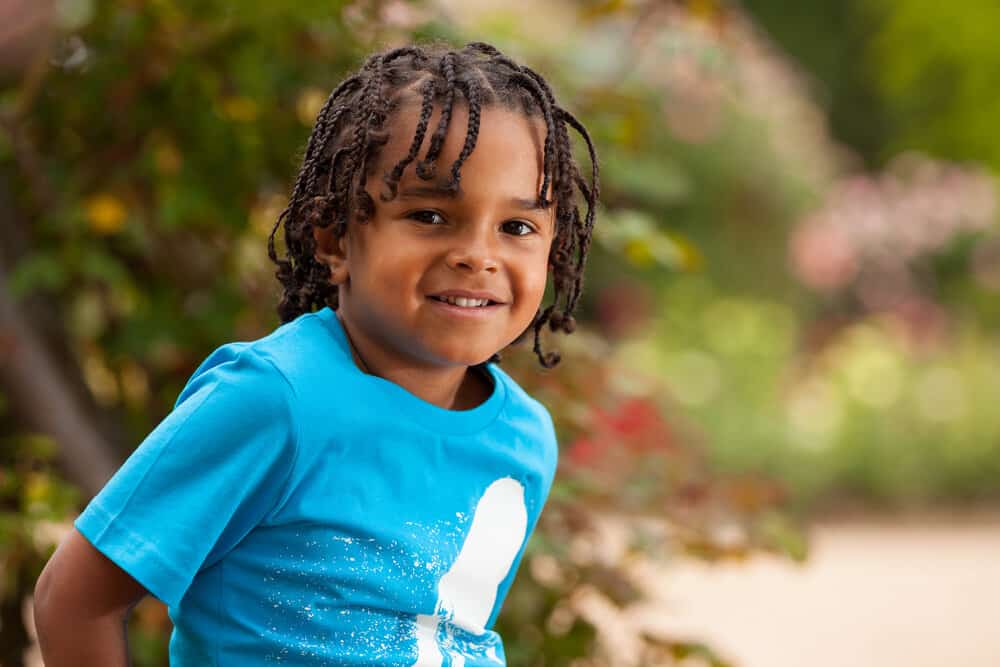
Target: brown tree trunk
(42,386)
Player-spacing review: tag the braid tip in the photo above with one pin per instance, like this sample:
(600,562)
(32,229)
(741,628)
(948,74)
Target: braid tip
(426,170)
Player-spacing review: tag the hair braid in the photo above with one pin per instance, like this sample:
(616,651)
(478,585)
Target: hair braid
(471,133)
(426,106)
(314,161)
(414,52)
(370,136)
(590,194)
(426,167)
(547,151)
(319,136)
(482,47)
(565,243)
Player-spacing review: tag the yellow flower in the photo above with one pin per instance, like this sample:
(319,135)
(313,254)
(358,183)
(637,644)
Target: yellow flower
(37,488)
(105,213)
(307,107)
(239,108)
(638,252)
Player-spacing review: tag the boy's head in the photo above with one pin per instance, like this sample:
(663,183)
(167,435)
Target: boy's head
(431,172)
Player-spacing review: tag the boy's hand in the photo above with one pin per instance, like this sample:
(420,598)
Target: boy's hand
(81,602)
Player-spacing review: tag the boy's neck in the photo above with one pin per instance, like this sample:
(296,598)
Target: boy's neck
(451,388)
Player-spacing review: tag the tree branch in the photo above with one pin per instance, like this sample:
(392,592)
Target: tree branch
(40,388)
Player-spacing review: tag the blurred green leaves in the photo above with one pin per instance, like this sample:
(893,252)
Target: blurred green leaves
(937,69)
(635,236)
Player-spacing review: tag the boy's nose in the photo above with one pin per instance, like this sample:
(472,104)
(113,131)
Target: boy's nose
(470,262)
(473,253)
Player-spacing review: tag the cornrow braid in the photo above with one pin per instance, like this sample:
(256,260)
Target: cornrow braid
(426,105)
(325,122)
(426,167)
(367,136)
(472,93)
(330,189)
(548,147)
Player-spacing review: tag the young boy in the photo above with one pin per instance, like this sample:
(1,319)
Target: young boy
(358,486)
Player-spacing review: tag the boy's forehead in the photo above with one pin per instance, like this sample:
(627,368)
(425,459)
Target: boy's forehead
(506,141)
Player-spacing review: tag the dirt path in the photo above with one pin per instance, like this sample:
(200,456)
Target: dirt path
(922,593)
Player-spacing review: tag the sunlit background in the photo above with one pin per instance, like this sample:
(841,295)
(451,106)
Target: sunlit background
(779,422)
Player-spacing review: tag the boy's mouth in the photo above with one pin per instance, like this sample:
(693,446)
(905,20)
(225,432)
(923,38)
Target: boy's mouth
(464,302)
(468,299)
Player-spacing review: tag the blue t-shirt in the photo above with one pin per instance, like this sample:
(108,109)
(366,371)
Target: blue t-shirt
(294,509)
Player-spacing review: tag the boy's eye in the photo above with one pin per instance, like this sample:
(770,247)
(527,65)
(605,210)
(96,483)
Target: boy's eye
(518,227)
(430,217)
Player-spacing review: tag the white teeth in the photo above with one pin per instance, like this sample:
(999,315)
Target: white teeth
(463,302)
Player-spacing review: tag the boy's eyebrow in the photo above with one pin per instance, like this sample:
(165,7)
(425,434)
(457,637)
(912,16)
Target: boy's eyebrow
(436,191)
(441,192)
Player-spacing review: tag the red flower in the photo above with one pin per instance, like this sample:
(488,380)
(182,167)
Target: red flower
(583,451)
(637,424)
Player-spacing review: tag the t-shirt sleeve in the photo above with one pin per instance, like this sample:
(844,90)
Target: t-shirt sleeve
(214,468)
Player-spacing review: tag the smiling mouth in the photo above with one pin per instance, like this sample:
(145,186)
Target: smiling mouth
(463,302)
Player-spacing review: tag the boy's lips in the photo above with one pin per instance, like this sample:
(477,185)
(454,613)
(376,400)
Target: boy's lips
(470,294)
(473,312)
(492,305)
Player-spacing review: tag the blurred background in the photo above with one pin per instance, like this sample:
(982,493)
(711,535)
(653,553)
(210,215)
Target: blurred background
(779,418)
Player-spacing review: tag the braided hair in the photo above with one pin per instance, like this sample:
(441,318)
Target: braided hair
(350,131)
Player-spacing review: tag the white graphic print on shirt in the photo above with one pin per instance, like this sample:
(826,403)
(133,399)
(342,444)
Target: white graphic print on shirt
(467,591)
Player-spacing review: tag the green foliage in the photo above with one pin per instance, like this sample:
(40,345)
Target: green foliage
(33,499)
(936,70)
(903,397)
(866,416)
(183,128)
(828,40)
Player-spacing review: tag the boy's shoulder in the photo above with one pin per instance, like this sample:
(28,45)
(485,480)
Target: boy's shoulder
(297,352)
(521,400)
(307,345)
(524,409)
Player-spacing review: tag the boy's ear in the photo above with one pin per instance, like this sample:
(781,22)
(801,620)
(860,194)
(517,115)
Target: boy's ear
(332,251)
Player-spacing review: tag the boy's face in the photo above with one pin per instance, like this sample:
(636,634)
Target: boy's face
(488,240)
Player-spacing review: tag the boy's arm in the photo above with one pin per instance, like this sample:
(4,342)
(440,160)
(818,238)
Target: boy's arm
(81,602)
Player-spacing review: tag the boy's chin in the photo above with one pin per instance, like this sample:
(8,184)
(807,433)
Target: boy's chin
(473,360)
(467,357)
